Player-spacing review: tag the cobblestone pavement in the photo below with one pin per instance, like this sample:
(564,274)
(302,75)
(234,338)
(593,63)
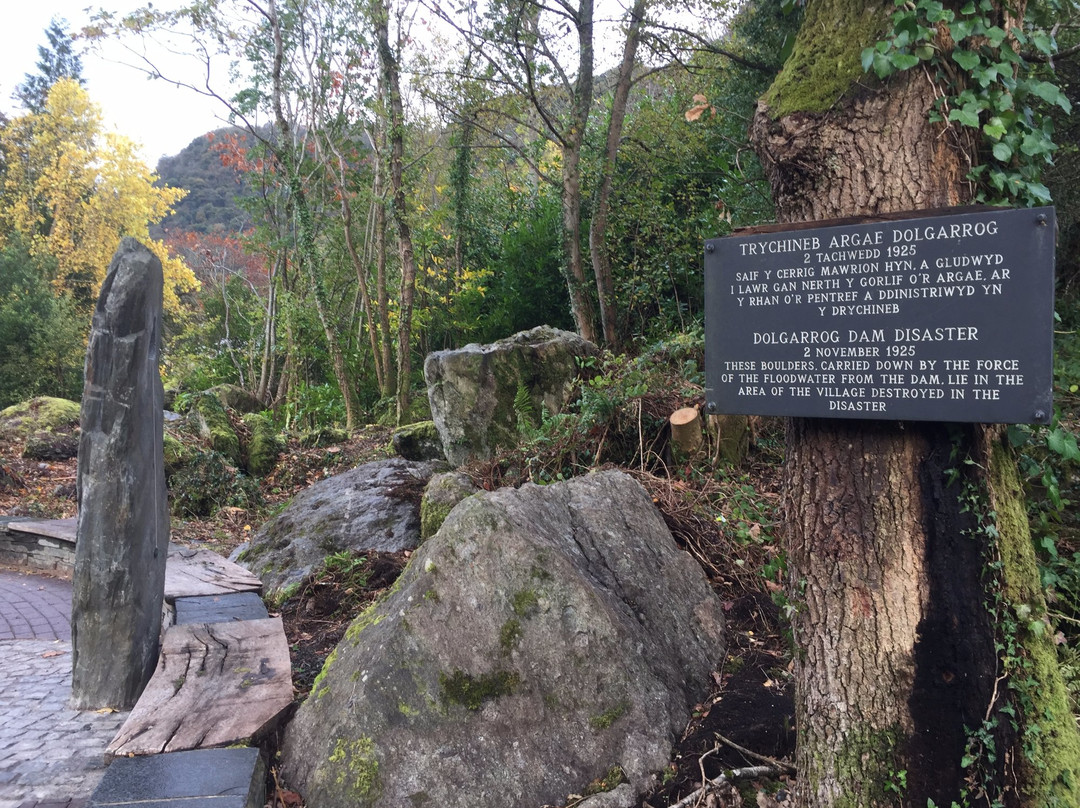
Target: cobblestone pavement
(50,756)
(34,607)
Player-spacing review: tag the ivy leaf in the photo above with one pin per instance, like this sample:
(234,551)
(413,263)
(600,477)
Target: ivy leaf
(995,128)
(1063,443)
(963,29)
(1051,94)
(1035,143)
(1043,42)
(903,61)
(968,60)
(1002,152)
(868,58)
(1038,192)
(925,52)
(968,115)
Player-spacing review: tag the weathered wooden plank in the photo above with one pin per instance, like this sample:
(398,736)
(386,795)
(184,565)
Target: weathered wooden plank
(62,529)
(190,573)
(216,684)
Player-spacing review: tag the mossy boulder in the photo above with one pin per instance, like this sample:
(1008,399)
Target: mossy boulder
(264,446)
(42,414)
(236,398)
(176,453)
(419,441)
(541,638)
(479,393)
(375,506)
(209,420)
(208,482)
(442,493)
(323,436)
(62,445)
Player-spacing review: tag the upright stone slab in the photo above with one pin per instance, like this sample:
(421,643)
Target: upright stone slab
(123,522)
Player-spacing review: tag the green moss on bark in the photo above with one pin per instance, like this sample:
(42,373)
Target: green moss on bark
(265,445)
(868,760)
(826,61)
(1052,771)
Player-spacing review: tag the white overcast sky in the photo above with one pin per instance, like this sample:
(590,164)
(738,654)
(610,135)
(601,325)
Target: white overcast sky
(161,118)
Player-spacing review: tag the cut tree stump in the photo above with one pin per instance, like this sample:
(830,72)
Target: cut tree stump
(686,430)
(216,684)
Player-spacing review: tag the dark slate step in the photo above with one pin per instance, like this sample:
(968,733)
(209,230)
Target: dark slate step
(203,778)
(220,608)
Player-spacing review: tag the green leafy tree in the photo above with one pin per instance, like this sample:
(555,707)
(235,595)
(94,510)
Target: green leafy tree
(57,60)
(42,335)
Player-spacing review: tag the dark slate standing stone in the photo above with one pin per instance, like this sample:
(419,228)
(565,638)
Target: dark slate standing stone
(123,522)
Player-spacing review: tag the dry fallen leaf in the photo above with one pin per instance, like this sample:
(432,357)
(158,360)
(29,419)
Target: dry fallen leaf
(48,654)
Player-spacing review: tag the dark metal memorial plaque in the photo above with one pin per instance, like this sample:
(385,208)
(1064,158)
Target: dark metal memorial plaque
(944,318)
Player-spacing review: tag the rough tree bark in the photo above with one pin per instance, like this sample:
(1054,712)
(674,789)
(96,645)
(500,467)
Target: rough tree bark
(896,643)
(601,261)
(390,72)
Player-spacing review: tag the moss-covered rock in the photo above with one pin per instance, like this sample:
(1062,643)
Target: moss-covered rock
(175,452)
(442,493)
(480,394)
(236,398)
(374,506)
(211,422)
(52,445)
(207,483)
(42,414)
(465,694)
(323,436)
(419,441)
(264,446)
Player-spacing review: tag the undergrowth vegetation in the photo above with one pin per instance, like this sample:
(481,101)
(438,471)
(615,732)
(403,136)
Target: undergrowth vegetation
(721,513)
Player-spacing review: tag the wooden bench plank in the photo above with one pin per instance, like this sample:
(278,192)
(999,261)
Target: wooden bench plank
(191,573)
(216,684)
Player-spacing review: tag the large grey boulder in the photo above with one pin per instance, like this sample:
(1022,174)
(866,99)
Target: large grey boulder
(542,637)
(375,506)
(472,390)
(123,523)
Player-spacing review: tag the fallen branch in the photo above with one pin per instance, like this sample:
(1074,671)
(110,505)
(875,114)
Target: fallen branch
(786,768)
(727,777)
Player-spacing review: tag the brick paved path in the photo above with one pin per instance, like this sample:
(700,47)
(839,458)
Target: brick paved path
(50,756)
(34,607)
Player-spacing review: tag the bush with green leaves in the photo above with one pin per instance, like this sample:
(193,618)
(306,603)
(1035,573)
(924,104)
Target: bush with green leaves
(207,483)
(42,335)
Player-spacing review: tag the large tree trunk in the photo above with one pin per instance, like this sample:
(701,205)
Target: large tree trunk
(580,305)
(391,81)
(896,661)
(571,141)
(382,295)
(601,262)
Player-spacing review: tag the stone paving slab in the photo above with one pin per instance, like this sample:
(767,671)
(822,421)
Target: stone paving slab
(48,752)
(34,607)
(203,778)
(63,529)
